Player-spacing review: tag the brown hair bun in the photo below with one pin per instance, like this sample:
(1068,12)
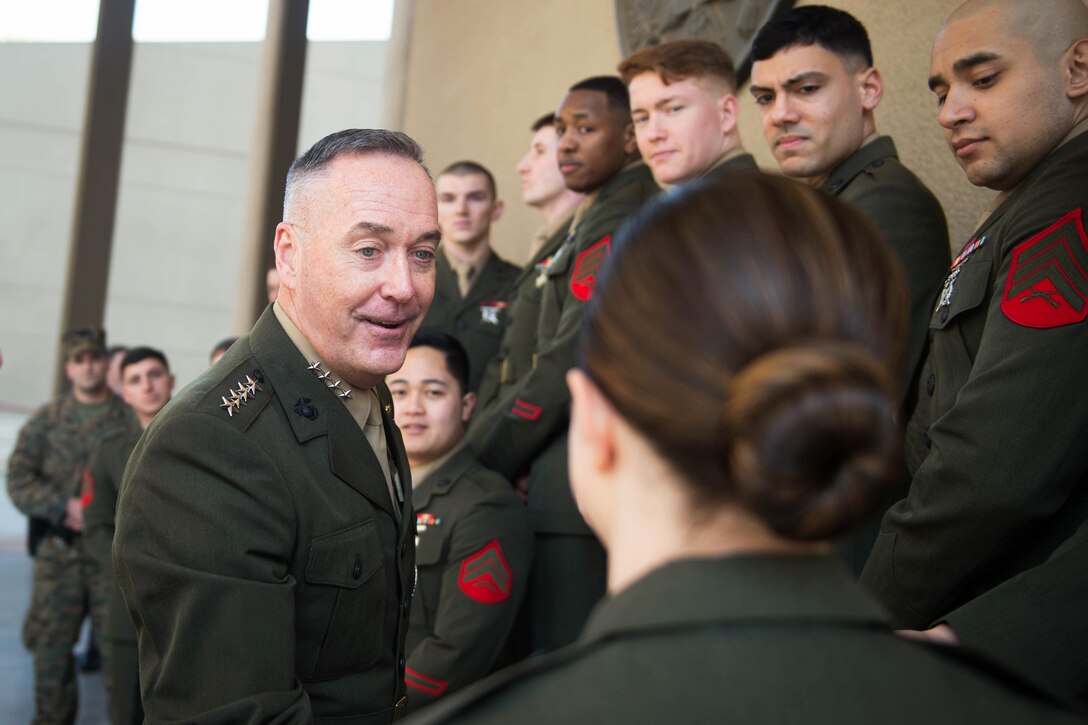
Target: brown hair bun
(811,438)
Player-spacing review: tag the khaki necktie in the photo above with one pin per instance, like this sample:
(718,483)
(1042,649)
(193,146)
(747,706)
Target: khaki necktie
(466,273)
(375,435)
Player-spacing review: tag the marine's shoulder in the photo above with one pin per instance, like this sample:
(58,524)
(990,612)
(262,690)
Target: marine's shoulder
(467,484)
(1053,196)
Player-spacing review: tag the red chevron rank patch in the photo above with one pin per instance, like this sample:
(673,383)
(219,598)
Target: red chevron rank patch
(88,488)
(1048,282)
(587,268)
(421,682)
(485,576)
(525,409)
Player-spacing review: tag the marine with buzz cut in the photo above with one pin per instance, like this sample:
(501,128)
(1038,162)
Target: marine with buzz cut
(990,547)
(264,542)
(523,433)
(472,282)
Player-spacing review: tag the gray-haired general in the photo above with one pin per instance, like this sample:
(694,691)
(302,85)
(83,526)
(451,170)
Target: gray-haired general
(264,542)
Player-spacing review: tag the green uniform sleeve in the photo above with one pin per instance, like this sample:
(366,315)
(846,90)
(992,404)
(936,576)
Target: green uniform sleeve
(529,416)
(30,489)
(483,584)
(1020,622)
(205,528)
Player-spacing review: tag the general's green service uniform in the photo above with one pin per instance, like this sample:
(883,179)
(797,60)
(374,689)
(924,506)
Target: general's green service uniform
(101,484)
(748,639)
(993,537)
(44,473)
(525,430)
(474,548)
(265,555)
(910,218)
(478,319)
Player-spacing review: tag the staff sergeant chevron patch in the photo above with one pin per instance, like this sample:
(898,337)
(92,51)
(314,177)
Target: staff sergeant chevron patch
(485,576)
(1048,282)
(587,268)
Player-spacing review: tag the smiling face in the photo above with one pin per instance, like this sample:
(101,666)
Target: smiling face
(429,406)
(1002,108)
(595,140)
(682,127)
(358,266)
(146,386)
(541,180)
(466,208)
(815,109)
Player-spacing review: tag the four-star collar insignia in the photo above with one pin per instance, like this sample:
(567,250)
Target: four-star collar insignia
(240,396)
(324,375)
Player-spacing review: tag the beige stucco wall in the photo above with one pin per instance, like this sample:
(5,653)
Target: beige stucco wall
(481,71)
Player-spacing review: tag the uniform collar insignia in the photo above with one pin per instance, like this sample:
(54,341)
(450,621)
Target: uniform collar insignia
(325,375)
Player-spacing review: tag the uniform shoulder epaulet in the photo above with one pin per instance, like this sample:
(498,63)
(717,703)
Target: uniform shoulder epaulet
(239,395)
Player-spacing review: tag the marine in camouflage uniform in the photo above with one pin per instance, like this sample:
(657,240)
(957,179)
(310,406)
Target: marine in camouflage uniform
(44,474)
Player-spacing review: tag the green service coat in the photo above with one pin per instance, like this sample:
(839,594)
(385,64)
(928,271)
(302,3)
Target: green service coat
(994,527)
(519,340)
(748,639)
(477,320)
(908,215)
(474,549)
(261,557)
(524,430)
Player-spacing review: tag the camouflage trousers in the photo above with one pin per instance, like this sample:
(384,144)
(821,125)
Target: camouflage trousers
(66,588)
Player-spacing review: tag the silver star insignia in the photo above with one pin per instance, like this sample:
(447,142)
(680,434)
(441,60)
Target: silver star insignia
(229,405)
(252,385)
(324,375)
(316,365)
(345,393)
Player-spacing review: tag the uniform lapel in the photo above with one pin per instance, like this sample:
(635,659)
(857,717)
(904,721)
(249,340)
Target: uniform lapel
(298,390)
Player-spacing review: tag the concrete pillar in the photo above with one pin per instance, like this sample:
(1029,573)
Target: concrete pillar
(275,140)
(99,170)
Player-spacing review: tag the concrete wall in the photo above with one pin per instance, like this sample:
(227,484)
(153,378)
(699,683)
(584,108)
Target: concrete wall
(182,200)
(480,72)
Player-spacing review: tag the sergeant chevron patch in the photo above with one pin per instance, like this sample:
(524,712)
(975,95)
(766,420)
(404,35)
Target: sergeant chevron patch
(587,268)
(485,576)
(421,682)
(1048,282)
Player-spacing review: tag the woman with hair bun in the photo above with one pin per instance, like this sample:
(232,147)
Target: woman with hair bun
(734,410)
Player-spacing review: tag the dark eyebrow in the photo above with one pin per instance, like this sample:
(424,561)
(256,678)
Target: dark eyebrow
(965,64)
(802,77)
(434,235)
